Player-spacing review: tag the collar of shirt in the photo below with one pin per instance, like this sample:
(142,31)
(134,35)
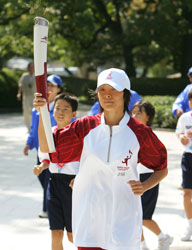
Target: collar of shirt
(124,121)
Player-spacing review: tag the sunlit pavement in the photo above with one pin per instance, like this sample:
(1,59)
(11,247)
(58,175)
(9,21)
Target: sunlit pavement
(21,193)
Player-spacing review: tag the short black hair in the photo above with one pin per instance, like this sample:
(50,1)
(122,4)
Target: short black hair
(29,64)
(190,94)
(70,98)
(148,108)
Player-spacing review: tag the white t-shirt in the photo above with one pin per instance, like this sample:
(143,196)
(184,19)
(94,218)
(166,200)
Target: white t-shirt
(27,82)
(71,168)
(105,211)
(184,124)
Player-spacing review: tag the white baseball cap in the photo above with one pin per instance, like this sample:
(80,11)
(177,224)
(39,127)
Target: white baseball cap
(189,71)
(116,78)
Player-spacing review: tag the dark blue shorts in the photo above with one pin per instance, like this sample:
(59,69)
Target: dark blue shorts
(186,165)
(149,198)
(59,202)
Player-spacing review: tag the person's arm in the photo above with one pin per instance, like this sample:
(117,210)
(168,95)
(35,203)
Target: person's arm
(94,109)
(39,102)
(180,132)
(71,183)
(135,97)
(32,140)
(183,139)
(38,169)
(43,145)
(20,88)
(139,187)
(177,109)
(26,149)
(153,155)
(180,105)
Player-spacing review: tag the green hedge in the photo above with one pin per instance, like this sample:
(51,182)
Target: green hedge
(8,90)
(144,86)
(163,111)
(159,86)
(150,89)
(80,87)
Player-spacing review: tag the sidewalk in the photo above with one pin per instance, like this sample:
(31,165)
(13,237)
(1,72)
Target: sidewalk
(21,193)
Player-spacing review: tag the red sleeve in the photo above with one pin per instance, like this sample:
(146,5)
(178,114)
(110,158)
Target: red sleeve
(152,153)
(69,140)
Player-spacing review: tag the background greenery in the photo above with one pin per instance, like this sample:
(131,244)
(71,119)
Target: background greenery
(146,38)
(151,35)
(163,111)
(162,102)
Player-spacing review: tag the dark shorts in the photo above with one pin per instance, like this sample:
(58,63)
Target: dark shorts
(59,202)
(186,165)
(149,198)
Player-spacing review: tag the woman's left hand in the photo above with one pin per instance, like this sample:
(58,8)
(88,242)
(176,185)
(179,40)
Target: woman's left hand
(71,183)
(137,187)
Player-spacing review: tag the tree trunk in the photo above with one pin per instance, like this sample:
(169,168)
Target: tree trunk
(128,58)
(186,58)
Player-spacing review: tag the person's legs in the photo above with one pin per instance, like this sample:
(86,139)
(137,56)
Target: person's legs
(27,109)
(187,200)
(164,240)
(143,243)
(70,236)
(186,165)
(57,239)
(44,180)
(148,199)
(67,203)
(55,213)
(152,226)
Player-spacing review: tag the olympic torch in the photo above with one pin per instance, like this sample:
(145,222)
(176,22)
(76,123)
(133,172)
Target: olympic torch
(40,63)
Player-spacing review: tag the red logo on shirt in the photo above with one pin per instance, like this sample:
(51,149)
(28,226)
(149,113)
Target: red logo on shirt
(60,164)
(127,158)
(109,76)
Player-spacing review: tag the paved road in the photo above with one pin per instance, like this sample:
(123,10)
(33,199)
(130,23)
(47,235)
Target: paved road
(21,193)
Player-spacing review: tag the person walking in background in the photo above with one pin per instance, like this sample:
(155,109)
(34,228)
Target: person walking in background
(59,198)
(184,133)
(144,112)
(26,89)
(181,104)
(95,109)
(106,207)
(54,87)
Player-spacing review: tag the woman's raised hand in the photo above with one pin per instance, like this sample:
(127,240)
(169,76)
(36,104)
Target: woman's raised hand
(38,101)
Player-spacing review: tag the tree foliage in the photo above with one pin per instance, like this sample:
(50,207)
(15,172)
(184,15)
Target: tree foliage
(120,33)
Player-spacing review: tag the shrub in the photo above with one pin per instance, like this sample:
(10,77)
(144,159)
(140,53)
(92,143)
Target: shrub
(159,86)
(8,89)
(144,86)
(163,108)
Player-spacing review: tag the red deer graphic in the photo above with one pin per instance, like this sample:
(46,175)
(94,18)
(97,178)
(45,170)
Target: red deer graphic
(127,158)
